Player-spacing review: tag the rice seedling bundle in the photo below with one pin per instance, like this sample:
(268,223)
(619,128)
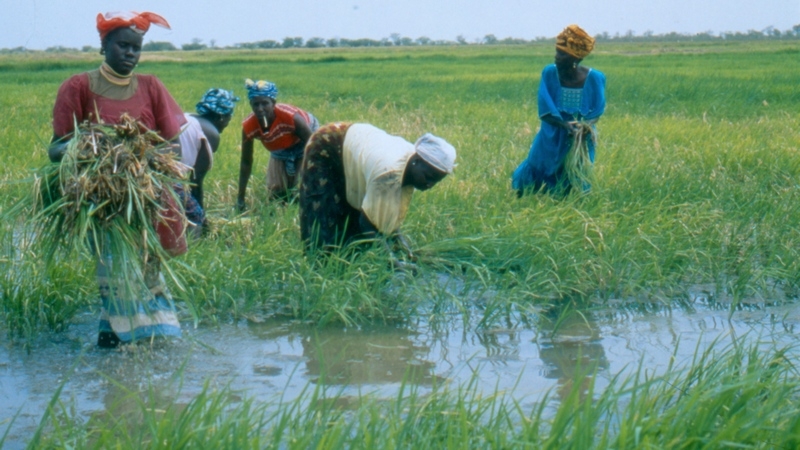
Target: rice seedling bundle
(113,187)
(578,165)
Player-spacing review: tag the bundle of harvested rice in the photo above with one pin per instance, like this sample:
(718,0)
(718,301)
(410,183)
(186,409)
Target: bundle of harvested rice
(578,165)
(113,190)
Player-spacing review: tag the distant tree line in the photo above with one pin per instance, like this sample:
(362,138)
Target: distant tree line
(396,40)
(751,35)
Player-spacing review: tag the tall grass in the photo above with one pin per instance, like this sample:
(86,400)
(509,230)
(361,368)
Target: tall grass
(36,295)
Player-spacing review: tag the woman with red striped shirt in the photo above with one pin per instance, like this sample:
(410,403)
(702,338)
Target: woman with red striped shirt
(283,129)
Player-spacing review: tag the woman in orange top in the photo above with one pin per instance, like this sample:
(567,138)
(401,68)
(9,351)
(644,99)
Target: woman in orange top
(283,130)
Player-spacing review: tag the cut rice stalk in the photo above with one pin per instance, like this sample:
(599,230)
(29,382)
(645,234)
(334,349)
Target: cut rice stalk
(578,164)
(108,188)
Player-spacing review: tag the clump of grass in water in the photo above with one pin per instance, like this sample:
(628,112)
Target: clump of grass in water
(730,396)
(34,296)
(271,277)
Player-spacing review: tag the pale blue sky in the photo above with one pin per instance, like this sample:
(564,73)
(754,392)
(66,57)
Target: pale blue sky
(38,24)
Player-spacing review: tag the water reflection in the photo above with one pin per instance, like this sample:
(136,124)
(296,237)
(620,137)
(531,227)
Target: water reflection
(124,400)
(570,346)
(502,345)
(336,356)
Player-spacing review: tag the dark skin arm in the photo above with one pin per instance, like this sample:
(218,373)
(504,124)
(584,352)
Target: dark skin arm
(203,163)
(245,169)
(573,127)
(201,166)
(58,145)
(301,128)
(211,133)
(367,227)
(371,231)
(559,122)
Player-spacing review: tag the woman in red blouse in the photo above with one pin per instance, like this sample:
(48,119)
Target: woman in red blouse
(103,94)
(282,129)
(135,302)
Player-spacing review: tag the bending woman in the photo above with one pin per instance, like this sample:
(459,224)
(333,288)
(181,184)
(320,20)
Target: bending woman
(283,129)
(135,302)
(200,138)
(358,182)
(571,99)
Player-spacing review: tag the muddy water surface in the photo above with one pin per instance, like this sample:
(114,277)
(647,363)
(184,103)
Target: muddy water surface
(528,355)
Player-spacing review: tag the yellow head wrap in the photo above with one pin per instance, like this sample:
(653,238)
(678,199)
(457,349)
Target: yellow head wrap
(574,41)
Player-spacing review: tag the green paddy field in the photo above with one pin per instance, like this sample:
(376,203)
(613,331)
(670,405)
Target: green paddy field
(697,190)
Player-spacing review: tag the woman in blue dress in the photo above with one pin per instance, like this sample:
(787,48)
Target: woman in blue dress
(571,99)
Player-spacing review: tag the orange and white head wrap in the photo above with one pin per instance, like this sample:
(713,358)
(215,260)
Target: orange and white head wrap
(574,41)
(138,22)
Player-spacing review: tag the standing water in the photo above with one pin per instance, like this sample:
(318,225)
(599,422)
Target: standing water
(530,355)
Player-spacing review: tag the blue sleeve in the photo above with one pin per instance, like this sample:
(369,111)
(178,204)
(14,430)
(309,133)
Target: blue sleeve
(596,95)
(548,92)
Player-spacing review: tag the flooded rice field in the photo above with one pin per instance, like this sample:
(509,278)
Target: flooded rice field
(531,354)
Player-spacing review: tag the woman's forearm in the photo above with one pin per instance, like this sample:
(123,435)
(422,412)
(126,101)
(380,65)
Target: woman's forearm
(556,121)
(57,148)
(244,178)
(367,227)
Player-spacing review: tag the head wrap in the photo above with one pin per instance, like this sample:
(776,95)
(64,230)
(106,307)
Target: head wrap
(138,22)
(574,41)
(436,152)
(260,88)
(217,101)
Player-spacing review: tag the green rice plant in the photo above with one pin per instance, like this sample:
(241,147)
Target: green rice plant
(34,296)
(695,178)
(111,191)
(33,300)
(727,396)
(342,289)
(739,397)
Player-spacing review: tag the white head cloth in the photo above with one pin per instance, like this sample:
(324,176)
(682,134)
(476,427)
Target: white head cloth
(436,152)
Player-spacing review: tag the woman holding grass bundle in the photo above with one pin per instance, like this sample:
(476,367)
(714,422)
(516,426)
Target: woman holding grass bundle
(358,181)
(283,130)
(135,303)
(571,100)
(200,139)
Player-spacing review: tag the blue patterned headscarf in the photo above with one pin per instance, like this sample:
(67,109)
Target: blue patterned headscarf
(260,88)
(217,101)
